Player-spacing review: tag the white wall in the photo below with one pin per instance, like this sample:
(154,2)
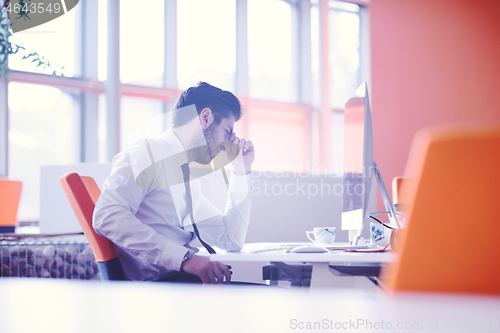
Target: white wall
(56,215)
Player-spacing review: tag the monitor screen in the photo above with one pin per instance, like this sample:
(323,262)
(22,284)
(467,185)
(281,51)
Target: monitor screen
(358,160)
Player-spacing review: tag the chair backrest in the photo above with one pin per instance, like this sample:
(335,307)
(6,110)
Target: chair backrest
(82,193)
(10,195)
(453,190)
(396,188)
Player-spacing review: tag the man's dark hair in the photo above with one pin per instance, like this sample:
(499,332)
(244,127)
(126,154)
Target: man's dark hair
(222,103)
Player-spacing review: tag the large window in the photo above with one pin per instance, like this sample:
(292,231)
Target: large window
(344,52)
(206,43)
(54,40)
(44,129)
(269,52)
(142,42)
(344,56)
(344,61)
(136,115)
(344,68)
(102,38)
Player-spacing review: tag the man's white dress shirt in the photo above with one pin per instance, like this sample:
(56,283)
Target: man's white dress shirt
(142,209)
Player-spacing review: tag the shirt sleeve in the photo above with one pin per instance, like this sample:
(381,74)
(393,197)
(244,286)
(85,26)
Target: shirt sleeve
(225,230)
(114,218)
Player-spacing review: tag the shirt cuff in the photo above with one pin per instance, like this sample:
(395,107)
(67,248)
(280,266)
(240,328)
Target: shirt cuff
(172,256)
(240,183)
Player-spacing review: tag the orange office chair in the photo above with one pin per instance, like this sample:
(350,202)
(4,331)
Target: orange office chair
(10,192)
(451,243)
(396,188)
(82,193)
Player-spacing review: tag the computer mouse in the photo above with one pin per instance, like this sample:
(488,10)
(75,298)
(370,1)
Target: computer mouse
(308,249)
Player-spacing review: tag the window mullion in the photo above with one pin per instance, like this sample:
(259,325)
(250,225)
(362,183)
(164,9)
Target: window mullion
(241,73)
(364,48)
(112,84)
(89,67)
(324,71)
(170,65)
(4,128)
(170,75)
(303,50)
(4,120)
(304,70)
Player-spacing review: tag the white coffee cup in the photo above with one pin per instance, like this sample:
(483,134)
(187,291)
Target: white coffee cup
(322,235)
(379,235)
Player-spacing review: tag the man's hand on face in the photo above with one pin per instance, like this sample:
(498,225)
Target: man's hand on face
(242,164)
(208,271)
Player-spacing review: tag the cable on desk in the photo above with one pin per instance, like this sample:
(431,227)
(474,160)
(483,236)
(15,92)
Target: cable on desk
(380,221)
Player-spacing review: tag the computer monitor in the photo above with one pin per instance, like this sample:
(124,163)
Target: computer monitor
(359,167)
(358,160)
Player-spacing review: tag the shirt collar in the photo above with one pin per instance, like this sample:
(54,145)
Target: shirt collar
(176,152)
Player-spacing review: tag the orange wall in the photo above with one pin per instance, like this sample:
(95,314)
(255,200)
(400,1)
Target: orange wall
(433,62)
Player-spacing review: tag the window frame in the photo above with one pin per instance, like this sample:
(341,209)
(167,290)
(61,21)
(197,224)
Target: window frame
(318,149)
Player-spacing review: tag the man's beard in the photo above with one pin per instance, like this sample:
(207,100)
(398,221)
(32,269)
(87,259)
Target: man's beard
(209,138)
(209,134)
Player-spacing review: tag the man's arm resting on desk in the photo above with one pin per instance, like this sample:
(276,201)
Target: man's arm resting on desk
(208,271)
(158,251)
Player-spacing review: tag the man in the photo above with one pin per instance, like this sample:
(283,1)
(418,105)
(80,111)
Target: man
(149,210)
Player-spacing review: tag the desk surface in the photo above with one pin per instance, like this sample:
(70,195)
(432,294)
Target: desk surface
(39,305)
(247,254)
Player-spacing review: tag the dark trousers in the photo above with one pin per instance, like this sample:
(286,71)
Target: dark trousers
(184,277)
(178,277)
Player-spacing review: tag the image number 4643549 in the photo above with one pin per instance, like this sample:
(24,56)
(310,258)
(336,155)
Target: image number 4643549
(26,14)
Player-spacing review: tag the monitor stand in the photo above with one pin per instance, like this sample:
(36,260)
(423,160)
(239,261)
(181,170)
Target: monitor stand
(394,223)
(385,198)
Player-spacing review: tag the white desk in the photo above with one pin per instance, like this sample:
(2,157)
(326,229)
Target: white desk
(322,274)
(62,306)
